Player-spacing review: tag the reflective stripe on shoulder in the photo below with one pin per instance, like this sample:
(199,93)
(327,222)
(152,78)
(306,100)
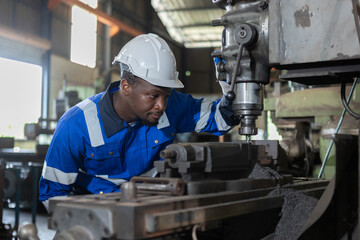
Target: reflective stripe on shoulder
(116,181)
(220,122)
(56,175)
(92,122)
(204,115)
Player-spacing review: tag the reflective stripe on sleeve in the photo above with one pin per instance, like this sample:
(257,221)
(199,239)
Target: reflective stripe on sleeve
(56,175)
(204,115)
(220,122)
(92,122)
(116,181)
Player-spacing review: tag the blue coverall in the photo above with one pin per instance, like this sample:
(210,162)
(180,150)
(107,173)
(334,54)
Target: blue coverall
(93,149)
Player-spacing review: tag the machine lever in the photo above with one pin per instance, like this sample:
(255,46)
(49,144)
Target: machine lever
(230,95)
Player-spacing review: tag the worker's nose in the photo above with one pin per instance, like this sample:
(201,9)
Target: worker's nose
(161,103)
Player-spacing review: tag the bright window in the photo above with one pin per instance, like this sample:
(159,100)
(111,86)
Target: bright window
(20,96)
(83,35)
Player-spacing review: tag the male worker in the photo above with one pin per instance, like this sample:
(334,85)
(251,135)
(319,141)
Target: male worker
(117,134)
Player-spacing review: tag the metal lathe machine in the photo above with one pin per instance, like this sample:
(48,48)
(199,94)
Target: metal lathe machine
(237,190)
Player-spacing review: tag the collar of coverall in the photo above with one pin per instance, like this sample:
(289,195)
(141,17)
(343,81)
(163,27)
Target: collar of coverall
(111,121)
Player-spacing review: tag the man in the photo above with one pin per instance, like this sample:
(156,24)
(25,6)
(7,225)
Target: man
(117,134)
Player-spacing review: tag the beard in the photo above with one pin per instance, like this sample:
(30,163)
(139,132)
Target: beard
(146,121)
(149,123)
(150,120)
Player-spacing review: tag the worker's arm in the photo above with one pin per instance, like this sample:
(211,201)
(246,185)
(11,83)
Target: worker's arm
(62,162)
(199,115)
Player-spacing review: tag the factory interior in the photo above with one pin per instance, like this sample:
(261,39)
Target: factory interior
(287,72)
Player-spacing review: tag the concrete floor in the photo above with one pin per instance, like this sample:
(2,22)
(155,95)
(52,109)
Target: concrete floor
(25,216)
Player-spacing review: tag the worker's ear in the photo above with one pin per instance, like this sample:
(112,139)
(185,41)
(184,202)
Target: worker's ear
(125,87)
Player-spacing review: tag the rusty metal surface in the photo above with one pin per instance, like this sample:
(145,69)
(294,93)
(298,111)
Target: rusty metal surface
(307,31)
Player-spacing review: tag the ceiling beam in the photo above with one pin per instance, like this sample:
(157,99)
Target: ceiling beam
(114,24)
(52,4)
(193,25)
(190,9)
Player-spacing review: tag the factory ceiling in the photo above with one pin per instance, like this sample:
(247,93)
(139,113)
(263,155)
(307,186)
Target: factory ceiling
(189,22)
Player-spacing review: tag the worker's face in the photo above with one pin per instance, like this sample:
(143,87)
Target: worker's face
(147,102)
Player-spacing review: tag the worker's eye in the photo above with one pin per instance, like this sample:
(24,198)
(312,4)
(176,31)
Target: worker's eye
(154,95)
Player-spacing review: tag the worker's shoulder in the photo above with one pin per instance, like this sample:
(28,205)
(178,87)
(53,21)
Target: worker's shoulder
(177,96)
(90,102)
(87,105)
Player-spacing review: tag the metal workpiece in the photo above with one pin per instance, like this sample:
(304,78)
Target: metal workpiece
(226,161)
(161,186)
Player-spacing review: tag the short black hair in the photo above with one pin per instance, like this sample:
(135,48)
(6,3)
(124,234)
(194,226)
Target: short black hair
(125,73)
(131,78)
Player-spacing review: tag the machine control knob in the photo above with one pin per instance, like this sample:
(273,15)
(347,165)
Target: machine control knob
(245,34)
(221,67)
(216,22)
(263,5)
(230,96)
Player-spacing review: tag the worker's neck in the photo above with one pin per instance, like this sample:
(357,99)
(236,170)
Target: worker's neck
(121,107)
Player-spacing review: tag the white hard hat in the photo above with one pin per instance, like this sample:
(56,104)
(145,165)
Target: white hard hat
(149,57)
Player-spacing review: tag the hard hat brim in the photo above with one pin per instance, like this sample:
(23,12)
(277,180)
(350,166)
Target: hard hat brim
(165,83)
